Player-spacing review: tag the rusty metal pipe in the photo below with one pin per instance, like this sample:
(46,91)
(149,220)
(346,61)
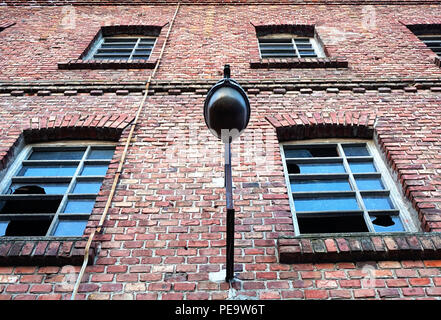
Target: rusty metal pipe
(98,229)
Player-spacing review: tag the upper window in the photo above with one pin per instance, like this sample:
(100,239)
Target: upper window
(289,46)
(121,47)
(433,41)
(342,187)
(430,34)
(50,189)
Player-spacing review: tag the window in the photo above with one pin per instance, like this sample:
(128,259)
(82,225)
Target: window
(433,41)
(289,46)
(50,189)
(342,187)
(121,47)
(430,34)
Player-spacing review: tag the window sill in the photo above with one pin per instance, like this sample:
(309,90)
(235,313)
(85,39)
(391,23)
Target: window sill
(43,251)
(293,63)
(106,64)
(360,247)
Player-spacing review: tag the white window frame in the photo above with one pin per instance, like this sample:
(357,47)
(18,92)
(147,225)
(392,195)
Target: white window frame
(16,166)
(406,212)
(423,37)
(318,50)
(98,43)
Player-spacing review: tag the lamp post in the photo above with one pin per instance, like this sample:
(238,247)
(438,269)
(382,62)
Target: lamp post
(227,113)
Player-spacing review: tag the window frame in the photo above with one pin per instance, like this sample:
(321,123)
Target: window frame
(401,205)
(90,54)
(318,49)
(422,37)
(70,180)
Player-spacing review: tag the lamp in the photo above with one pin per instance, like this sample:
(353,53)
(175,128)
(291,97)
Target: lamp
(227,113)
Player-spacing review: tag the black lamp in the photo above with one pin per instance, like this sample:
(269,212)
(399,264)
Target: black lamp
(227,113)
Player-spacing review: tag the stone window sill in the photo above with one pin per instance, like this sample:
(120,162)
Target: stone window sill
(293,63)
(78,64)
(360,247)
(43,251)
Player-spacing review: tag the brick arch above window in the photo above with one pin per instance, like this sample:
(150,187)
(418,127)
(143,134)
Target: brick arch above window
(5,24)
(68,127)
(304,125)
(77,127)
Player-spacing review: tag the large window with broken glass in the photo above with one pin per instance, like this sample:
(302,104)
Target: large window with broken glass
(342,186)
(50,189)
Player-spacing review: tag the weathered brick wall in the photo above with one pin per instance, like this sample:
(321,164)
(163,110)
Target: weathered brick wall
(204,38)
(165,232)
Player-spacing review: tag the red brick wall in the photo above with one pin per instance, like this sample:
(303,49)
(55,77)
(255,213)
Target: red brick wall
(216,35)
(165,232)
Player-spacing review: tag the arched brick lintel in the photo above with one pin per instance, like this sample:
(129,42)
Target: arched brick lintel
(67,127)
(76,127)
(304,125)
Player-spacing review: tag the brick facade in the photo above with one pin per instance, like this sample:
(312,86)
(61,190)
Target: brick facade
(164,235)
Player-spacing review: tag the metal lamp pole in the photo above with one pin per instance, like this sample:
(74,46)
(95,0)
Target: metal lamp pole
(226,113)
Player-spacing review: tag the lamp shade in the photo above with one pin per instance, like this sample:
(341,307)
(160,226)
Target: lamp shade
(226,109)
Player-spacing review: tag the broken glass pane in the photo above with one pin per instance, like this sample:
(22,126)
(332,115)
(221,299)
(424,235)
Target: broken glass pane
(29,206)
(31,227)
(369,183)
(377,202)
(355,151)
(70,228)
(344,223)
(364,166)
(320,185)
(385,223)
(49,188)
(326,204)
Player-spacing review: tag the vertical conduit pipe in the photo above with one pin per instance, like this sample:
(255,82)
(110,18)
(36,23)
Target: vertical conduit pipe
(98,229)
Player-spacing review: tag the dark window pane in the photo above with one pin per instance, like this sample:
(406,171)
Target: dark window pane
(320,185)
(369,184)
(386,223)
(332,224)
(57,155)
(94,170)
(365,166)
(87,187)
(101,154)
(326,204)
(355,151)
(50,171)
(70,228)
(298,153)
(79,206)
(301,40)
(377,203)
(29,206)
(322,151)
(30,227)
(117,40)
